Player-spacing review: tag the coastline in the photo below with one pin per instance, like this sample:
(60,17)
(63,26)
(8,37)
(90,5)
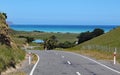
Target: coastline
(61,28)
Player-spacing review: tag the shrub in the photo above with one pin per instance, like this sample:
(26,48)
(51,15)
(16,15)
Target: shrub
(66,44)
(85,36)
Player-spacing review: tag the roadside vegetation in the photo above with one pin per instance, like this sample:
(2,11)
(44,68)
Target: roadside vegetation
(10,57)
(61,37)
(10,54)
(34,58)
(85,36)
(95,44)
(101,47)
(17,73)
(59,40)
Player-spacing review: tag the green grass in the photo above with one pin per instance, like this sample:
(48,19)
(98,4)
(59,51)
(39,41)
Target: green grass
(111,39)
(101,47)
(62,37)
(8,55)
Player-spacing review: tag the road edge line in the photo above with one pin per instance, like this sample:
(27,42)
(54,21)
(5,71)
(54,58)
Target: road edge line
(97,63)
(31,73)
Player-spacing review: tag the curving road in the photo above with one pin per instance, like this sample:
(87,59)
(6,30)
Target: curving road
(66,63)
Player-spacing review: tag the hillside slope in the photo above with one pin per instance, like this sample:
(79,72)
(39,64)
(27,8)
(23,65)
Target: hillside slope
(101,47)
(110,39)
(10,54)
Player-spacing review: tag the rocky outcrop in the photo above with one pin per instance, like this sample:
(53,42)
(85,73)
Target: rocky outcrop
(4,32)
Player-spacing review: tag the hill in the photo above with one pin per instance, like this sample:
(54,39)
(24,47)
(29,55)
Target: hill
(101,47)
(10,54)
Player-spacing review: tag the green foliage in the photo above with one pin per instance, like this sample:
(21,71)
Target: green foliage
(96,32)
(9,57)
(29,39)
(10,54)
(66,44)
(62,37)
(50,43)
(111,39)
(102,46)
(85,36)
(3,15)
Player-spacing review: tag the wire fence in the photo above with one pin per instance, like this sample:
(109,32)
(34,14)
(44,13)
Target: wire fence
(101,48)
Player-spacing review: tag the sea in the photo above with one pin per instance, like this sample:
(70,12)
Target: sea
(62,28)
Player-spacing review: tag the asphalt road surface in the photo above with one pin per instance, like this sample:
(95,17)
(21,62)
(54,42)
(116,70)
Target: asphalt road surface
(66,63)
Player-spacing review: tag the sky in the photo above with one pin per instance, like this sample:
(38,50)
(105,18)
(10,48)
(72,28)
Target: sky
(62,12)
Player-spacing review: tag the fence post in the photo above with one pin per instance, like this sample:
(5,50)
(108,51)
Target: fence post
(29,58)
(115,56)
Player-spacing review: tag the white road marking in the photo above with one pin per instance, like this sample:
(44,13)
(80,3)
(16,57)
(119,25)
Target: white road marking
(31,73)
(69,62)
(78,73)
(98,63)
(63,56)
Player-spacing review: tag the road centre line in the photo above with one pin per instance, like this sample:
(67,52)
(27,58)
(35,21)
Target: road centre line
(97,63)
(31,73)
(78,73)
(69,62)
(63,56)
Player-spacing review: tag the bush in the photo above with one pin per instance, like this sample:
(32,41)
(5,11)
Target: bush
(50,43)
(28,39)
(85,36)
(66,44)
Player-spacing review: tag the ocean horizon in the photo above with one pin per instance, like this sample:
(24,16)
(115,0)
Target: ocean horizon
(62,28)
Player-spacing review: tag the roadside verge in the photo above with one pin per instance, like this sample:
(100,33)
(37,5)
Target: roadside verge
(33,69)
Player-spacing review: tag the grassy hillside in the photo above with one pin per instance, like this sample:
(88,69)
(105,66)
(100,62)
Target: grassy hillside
(10,57)
(101,47)
(110,39)
(10,54)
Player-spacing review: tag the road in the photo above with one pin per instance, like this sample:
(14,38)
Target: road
(66,63)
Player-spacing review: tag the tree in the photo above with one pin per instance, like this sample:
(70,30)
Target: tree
(85,36)
(29,39)
(4,14)
(66,44)
(96,32)
(50,43)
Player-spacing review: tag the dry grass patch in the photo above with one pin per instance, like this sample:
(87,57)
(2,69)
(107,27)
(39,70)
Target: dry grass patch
(17,73)
(99,55)
(34,58)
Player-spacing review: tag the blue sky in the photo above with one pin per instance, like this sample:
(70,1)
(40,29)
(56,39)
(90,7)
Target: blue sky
(65,12)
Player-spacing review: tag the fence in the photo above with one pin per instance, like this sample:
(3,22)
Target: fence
(101,48)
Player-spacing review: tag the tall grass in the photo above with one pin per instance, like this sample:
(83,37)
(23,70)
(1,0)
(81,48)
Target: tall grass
(17,73)
(10,57)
